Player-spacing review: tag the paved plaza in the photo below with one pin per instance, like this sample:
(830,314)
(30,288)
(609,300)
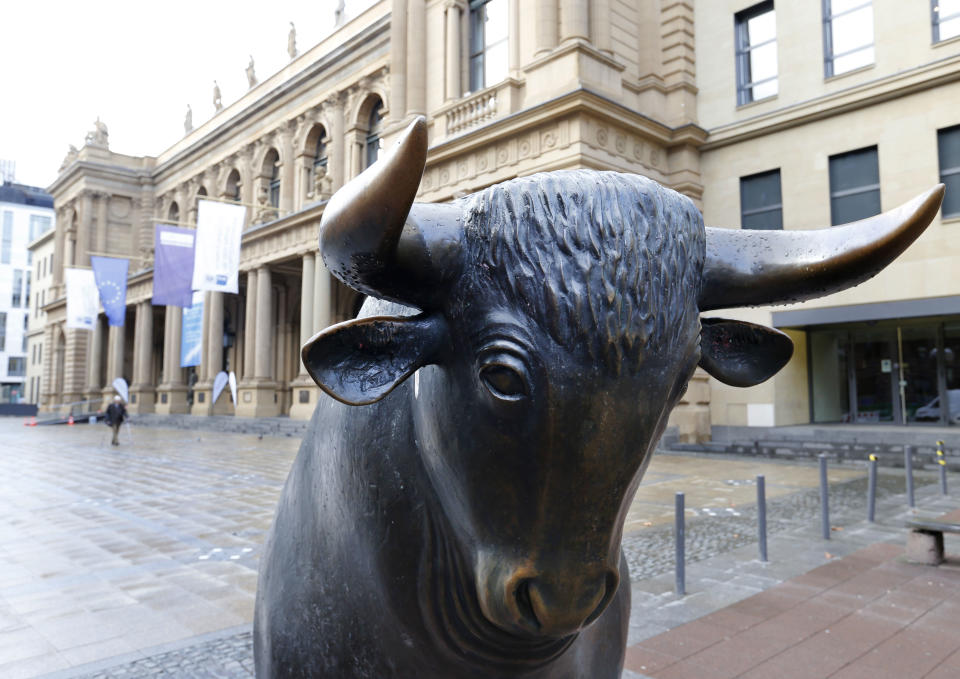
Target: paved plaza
(140,561)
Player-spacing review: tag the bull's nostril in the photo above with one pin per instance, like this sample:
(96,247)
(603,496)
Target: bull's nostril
(525,605)
(611,584)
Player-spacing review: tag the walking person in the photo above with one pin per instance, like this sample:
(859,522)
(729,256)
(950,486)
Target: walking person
(116,414)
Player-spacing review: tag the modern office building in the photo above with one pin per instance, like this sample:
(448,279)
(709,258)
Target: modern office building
(25,213)
(767,116)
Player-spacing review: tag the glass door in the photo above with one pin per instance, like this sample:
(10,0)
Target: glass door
(919,392)
(874,376)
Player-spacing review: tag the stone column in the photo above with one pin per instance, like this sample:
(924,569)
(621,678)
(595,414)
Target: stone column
(574,20)
(398,59)
(263,363)
(303,388)
(257,398)
(287,171)
(454,88)
(214,337)
(513,31)
(94,362)
(103,200)
(338,162)
(249,327)
(416,58)
(321,297)
(84,230)
(600,23)
(115,336)
(143,389)
(172,390)
(546,19)
(75,377)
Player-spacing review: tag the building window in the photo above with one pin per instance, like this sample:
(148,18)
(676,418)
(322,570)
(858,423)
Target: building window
(3,330)
(854,186)
(39,225)
(26,292)
(847,35)
(274,195)
(946,19)
(16,366)
(26,326)
(756,36)
(948,147)
(39,353)
(320,152)
(488,43)
(374,128)
(7,243)
(17,287)
(761,206)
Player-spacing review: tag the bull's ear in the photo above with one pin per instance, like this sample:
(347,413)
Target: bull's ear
(361,361)
(742,354)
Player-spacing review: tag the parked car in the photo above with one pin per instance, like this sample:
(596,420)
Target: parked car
(931,411)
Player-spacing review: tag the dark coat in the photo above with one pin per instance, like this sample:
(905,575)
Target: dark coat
(116,414)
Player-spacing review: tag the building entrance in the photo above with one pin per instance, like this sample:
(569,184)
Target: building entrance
(904,371)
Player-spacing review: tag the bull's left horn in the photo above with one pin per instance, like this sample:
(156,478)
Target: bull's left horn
(751,268)
(362,224)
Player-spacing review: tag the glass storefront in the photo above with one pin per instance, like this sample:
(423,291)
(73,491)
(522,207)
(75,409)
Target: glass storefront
(894,371)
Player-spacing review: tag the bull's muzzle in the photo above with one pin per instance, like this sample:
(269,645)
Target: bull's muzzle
(545,602)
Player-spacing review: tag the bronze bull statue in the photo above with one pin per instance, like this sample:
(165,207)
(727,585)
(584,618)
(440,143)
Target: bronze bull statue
(517,362)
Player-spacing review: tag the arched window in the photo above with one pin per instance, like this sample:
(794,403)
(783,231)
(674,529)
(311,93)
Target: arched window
(374,128)
(173,213)
(233,186)
(201,194)
(320,151)
(271,170)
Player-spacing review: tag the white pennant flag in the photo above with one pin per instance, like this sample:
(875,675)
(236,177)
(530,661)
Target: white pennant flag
(219,382)
(233,387)
(217,247)
(83,300)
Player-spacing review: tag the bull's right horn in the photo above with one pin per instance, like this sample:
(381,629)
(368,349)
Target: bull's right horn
(367,239)
(752,268)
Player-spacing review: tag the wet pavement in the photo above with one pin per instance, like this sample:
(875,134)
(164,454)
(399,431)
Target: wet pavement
(140,561)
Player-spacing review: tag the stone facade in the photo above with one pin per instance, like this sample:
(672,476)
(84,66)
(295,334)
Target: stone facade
(610,84)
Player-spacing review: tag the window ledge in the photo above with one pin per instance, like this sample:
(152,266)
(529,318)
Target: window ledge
(949,41)
(847,73)
(757,102)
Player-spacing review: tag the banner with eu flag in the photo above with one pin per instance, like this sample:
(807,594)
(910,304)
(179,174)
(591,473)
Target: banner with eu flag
(111,276)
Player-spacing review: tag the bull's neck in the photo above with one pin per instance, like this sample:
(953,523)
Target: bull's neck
(452,613)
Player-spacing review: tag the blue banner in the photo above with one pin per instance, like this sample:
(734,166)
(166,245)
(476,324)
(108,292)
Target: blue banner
(172,265)
(111,276)
(191,333)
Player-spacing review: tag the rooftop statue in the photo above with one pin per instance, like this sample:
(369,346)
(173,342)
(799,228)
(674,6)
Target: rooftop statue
(456,507)
(217,102)
(292,41)
(251,74)
(98,136)
(188,121)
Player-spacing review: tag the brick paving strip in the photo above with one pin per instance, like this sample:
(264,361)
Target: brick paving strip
(868,614)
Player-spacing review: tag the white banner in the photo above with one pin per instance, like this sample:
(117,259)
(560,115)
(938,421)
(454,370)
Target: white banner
(83,300)
(217,254)
(233,387)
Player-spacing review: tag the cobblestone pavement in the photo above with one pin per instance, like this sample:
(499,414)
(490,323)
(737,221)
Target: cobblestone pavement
(141,562)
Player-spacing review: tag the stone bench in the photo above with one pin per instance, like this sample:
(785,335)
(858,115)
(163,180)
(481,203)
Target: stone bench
(925,541)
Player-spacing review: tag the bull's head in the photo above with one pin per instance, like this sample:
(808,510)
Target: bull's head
(559,326)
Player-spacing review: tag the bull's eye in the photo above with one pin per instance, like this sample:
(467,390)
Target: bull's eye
(503,381)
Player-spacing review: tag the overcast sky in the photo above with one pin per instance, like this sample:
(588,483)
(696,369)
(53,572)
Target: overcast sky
(136,65)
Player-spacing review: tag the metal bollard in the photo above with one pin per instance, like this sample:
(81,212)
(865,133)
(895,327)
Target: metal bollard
(824,499)
(762,516)
(942,463)
(908,469)
(679,534)
(872,488)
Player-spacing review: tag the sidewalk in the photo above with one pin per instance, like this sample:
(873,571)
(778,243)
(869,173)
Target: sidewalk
(141,561)
(848,608)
